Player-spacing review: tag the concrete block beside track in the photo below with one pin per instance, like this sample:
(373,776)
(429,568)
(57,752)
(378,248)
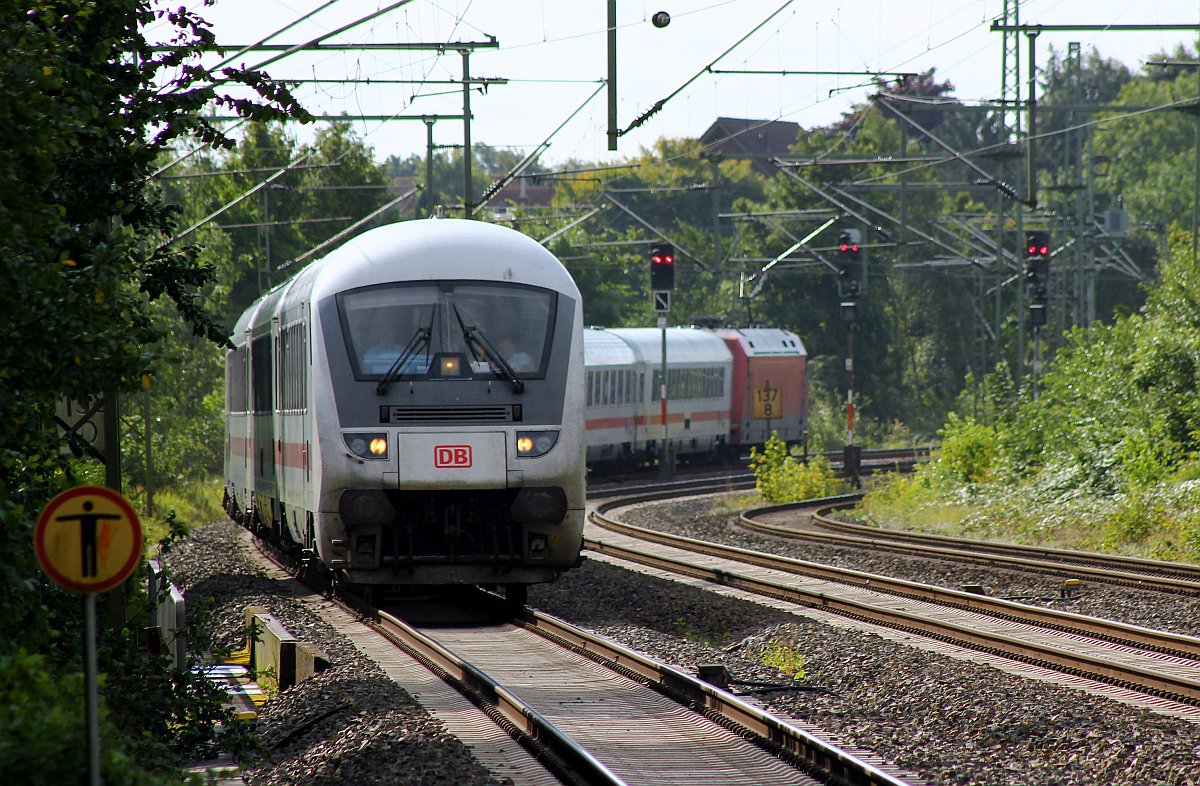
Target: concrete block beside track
(276,656)
(168,613)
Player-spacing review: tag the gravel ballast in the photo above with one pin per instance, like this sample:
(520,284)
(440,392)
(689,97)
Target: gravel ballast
(349,724)
(947,720)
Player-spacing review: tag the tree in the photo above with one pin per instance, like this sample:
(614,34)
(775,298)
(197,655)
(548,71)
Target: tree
(345,185)
(87,104)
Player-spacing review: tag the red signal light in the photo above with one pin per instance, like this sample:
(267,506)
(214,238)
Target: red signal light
(1044,250)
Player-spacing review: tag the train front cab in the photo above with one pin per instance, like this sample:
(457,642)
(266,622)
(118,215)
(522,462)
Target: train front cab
(442,467)
(770,385)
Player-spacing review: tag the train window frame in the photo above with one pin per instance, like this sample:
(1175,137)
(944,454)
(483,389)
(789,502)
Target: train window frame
(447,330)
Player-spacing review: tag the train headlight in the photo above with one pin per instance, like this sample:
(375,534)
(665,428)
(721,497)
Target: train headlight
(367,446)
(450,365)
(531,444)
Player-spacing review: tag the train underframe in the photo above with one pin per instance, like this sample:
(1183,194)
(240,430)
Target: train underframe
(403,539)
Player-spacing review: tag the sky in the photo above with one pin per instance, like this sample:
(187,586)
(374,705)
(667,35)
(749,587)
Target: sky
(554,54)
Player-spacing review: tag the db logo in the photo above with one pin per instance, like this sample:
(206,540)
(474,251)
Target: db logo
(452,456)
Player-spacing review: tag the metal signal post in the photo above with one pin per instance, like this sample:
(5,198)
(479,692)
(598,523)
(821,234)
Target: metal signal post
(662,282)
(1037,284)
(851,281)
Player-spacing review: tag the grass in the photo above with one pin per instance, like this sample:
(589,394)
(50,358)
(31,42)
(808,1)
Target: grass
(194,502)
(783,656)
(1157,522)
(735,502)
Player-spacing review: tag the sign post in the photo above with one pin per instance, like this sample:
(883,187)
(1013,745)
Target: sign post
(665,460)
(89,540)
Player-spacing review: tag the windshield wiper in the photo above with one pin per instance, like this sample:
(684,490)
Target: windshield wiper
(419,340)
(475,338)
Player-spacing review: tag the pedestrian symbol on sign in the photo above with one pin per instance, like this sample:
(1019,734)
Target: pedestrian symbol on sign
(88,558)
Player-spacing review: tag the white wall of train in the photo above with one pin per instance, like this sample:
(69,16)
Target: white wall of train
(727,389)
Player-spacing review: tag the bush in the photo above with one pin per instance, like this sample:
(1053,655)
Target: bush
(967,454)
(779,477)
(43,738)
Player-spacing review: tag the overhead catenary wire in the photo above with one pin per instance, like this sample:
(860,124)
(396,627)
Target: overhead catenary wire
(237,200)
(330,241)
(661,102)
(1183,102)
(197,148)
(300,47)
(534,154)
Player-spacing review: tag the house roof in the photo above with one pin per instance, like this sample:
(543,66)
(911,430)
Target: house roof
(759,140)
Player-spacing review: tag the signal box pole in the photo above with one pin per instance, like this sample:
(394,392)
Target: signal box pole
(662,282)
(851,281)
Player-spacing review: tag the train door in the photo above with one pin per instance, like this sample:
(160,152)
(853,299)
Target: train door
(640,410)
(262,394)
(306,435)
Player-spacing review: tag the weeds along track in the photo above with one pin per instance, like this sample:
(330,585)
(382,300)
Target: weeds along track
(826,524)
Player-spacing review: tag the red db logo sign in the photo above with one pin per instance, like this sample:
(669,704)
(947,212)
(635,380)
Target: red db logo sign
(452,456)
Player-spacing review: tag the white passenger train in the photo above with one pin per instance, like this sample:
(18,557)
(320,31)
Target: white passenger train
(727,389)
(409,409)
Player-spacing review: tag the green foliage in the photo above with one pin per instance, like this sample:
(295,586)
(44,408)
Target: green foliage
(1104,457)
(779,477)
(191,502)
(784,656)
(94,285)
(43,739)
(966,455)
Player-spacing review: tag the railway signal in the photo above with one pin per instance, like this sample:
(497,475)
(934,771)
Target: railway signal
(851,272)
(851,268)
(662,267)
(1037,274)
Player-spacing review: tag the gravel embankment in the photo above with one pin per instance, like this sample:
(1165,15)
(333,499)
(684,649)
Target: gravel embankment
(694,519)
(350,724)
(951,722)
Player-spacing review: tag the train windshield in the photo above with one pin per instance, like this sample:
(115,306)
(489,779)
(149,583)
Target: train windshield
(515,322)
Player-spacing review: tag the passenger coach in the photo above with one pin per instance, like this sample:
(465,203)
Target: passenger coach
(728,389)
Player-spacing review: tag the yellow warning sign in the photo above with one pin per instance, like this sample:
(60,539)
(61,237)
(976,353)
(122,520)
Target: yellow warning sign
(88,539)
(768,402)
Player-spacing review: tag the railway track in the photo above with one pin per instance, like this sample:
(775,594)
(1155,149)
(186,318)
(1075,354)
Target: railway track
(800,521)
(604,486)
(594,712)
(1161,665)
